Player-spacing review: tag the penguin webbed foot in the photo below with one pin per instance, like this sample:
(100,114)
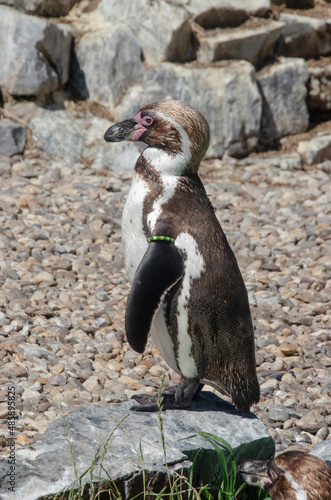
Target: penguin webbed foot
(172,398)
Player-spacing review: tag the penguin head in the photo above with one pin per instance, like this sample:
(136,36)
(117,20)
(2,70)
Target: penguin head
(174,127)
(293,475)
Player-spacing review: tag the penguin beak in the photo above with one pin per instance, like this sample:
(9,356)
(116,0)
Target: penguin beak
(127,130)
(254,472)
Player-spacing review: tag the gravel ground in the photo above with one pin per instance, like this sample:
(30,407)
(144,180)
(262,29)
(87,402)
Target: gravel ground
(64,288)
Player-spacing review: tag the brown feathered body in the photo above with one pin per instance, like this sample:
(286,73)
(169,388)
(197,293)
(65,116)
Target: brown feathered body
(292,475)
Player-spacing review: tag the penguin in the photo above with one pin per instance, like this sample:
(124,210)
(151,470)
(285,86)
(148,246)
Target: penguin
(292,475)
(187,290)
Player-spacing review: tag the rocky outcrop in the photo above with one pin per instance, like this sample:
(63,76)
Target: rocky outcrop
(305,36)
(252,44)
(128,444)
(117,66)
(165,33)
(34,54)
(283,89)
(130,53)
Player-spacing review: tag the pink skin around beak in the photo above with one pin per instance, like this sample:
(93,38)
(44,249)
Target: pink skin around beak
(140,130)
(128,130)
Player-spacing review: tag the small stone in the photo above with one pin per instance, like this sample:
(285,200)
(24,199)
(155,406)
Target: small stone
(278,416)
(287,424)
(308,424)
(92,384)
(57,369)
(57,379)
(23,440)
(43,277)
(289,349)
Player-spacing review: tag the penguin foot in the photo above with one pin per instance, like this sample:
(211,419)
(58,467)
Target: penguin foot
(173,398)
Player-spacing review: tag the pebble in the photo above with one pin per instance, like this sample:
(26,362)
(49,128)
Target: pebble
(64,290)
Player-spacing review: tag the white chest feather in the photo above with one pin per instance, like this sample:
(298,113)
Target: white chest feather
(301,494)
(169,183)
(133,236)
(194,267)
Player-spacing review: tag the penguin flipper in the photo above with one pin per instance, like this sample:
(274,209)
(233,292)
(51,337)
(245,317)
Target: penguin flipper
(160,268)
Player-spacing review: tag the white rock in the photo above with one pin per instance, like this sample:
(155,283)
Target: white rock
(306,36)
(214,91)
(162,28)
(250,44)
(58,133)
(110,60)
(284,91)
(34,53)
(316,150)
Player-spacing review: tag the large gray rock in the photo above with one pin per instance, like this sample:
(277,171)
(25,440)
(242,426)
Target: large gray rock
(57,133)
(110,60)
(316,150)
(12,137)
(305,36)
(213,13)
(251,44)
(283,89)
(162,28)
(68,139)
(132,441)
(34,53)
(323,451)
(51,8)
(226,95)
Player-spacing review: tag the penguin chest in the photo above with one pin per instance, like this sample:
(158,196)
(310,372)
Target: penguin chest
(176,347)
(133,236)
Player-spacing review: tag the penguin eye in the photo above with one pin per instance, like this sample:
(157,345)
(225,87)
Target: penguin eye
(147,120)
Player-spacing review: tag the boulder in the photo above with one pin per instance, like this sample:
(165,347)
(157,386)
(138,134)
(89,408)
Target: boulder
(316,150)
(12,137)
(109,61)
(162,28)
(51,8)
(34,54)
(253,44)
(129,447)
(283,89)
(57,133)
(305,36)
(319,87)
(214,91)
(68,139)
(222,13)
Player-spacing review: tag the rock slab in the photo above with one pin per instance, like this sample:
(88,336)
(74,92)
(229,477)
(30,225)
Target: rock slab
(283,89)
(12,137)
(133,442)
(35,60)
